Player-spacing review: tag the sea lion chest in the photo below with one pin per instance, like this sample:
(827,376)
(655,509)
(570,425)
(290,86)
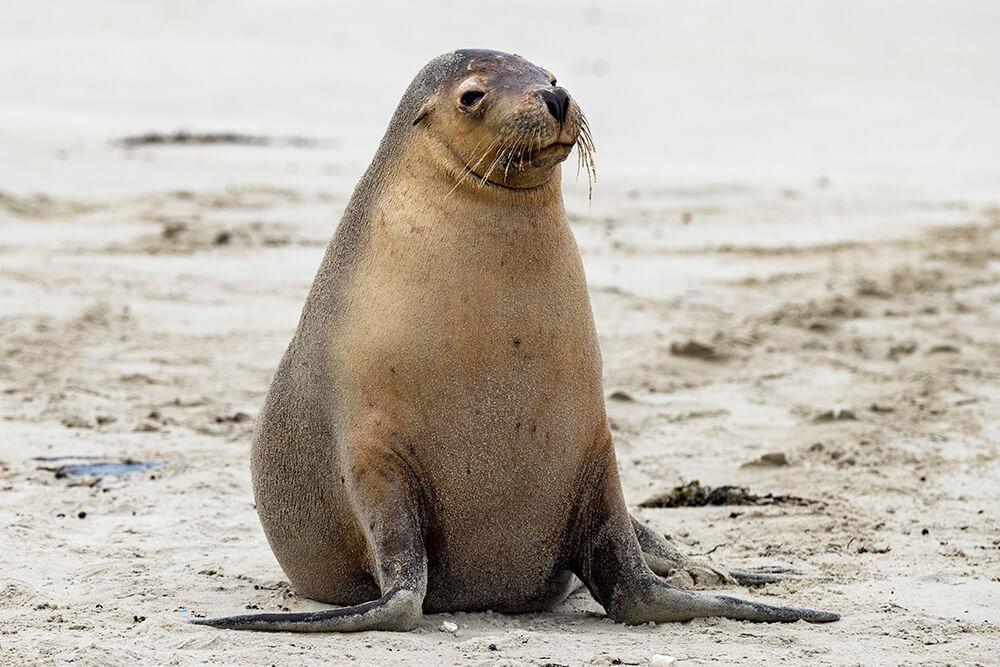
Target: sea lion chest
(473,340)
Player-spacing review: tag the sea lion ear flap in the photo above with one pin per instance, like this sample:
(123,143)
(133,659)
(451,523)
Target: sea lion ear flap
(424,110)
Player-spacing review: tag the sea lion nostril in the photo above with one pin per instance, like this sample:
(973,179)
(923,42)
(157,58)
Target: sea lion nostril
(556,101)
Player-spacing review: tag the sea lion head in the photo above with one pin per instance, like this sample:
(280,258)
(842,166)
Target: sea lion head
(495,119)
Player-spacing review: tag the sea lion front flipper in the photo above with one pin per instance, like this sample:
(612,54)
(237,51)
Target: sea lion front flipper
(770,574)
(611,563)
(387,507)
(666,560)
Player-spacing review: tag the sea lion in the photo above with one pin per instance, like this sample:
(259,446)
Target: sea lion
(435,437)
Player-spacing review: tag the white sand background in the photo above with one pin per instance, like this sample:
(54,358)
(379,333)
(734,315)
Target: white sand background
(838,169)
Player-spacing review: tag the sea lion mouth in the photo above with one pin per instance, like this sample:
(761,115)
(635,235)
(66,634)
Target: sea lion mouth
(566,145)
(549,155)
(488,181)
(545,156)
(519,149)
(555,148)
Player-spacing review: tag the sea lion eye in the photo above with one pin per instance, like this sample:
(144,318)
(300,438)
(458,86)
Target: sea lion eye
(471,97)
(552,82)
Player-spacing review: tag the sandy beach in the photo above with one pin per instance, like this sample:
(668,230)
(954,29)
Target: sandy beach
(793,251)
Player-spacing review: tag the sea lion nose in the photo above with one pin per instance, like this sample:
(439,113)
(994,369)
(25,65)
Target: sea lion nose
(556,101)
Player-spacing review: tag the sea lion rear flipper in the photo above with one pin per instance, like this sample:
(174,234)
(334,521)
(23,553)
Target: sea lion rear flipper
(612,565)
(666,560)
(387,508)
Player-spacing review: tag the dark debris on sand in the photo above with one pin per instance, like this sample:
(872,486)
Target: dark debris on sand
(693,494)
(185,138)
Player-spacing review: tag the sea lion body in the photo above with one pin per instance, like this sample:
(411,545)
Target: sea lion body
(435,437)
(480,368)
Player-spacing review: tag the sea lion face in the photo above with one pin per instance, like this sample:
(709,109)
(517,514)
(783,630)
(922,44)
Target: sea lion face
(503,121)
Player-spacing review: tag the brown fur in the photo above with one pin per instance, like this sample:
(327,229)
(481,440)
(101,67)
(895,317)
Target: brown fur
(436,432)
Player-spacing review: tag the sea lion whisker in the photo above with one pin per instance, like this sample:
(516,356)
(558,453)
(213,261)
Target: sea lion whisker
(469,169)
(469,166)
(578,145)
(586,154)
(510,161)
(513,153)
(486,151)
(522,149)
(500,155)
(493,165)
(518,154)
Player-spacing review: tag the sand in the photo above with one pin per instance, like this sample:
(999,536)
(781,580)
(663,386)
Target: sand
(782,305)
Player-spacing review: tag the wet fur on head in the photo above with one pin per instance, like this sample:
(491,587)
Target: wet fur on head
(516,128)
